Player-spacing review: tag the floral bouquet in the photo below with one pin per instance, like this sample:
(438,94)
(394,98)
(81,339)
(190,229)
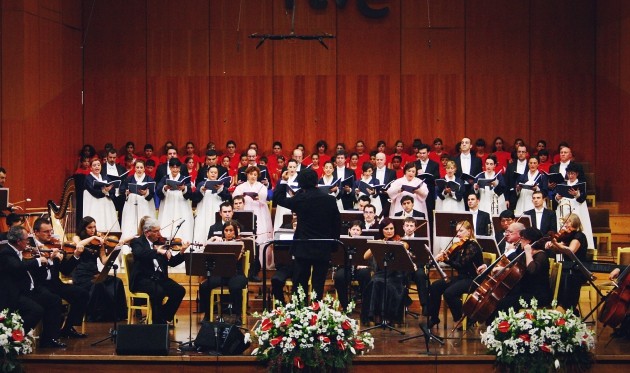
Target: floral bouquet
(298,336)
(13,340)
(534,340)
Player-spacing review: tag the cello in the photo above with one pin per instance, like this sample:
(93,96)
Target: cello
(617,301)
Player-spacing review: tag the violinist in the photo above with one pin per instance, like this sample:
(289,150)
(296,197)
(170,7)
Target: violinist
(48,276)
(397,297)
(464,256)
(236,283)
(623,330)
(19,291)
(150,272)
(361,273)
(102,305)
(535,281)
(571,238)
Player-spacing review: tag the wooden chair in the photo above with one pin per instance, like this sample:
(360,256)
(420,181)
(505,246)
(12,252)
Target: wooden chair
(623,255)
(145,303)
(555,273)
(600,223)
(215,294)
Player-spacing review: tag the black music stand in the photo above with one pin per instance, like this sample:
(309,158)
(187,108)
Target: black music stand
(102,276)
(189,258)
(394,257)
(488,245)
(350,258)
(524,219)
(446,222)
(4,198)
(223,263)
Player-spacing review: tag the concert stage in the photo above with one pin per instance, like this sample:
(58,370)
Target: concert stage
(459,352)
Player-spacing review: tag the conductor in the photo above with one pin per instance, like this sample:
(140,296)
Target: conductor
(317,218)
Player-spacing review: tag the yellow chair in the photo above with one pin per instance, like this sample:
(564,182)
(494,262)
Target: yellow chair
(215,294)
(623,255)
(131,296)
(555,273)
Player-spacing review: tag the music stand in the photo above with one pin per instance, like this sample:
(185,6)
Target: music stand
(102,276)
(246,219)
(350,215)
(370,232)
(488,244)
(223,263)
(445,223)
(350,258)
(394,257)
(523,218)
(4,198)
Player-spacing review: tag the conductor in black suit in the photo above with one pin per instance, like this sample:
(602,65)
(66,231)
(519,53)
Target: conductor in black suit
(481,219)
(542,218)
(317,218)
(150,273)
(468,163)
(19,292)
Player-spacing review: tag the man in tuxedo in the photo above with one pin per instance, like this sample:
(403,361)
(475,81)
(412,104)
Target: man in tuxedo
(407,209)
(211,160)
(149,273)
(542,218)
(468,163)
(226,212)
(369,217)
(317,218)
(164,170)
(425,165)
(512,173)
(48,277)
(384,176)
(19,292)
(347,176)
(263,176)
(481,219)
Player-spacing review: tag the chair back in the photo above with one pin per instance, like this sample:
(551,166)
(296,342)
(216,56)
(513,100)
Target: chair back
(489,258)
(600,220)
(128,262)
(623,256)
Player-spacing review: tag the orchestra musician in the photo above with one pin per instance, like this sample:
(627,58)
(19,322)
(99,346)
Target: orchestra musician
(150,272)
(235,283)
(48,276)
(623,330)
(397,297)
(361,273)
(102,306)
(464,256)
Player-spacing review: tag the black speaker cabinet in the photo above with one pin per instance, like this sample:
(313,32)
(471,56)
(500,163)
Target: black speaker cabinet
(142,340)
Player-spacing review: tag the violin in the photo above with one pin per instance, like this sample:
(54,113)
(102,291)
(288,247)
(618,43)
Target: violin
(175,244)
(453,249)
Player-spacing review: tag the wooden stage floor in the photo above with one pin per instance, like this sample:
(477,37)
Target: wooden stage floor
(462,351)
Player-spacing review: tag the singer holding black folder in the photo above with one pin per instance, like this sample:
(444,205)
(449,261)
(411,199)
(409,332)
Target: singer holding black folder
(139,190)
(175,207)
(98,199)
(150,272)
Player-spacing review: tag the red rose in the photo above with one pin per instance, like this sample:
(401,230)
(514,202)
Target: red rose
(297,361)
(17,335)
(561,322)
(504,326)
(340,345)
(358,344)
(529,316)
(313,320)
(545,348)
(266,325)
(275,341)
(524,337)
(315,306)
(346,325)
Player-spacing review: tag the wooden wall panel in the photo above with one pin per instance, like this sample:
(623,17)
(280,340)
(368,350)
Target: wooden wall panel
(241,105)
(116,73)
(368,80)
(562,58)
(177,72)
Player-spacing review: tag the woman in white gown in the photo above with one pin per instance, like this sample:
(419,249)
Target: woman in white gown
(367,177)
(528,183)
(491,197)
(448,200)
(408,185)
(328,179)
(209,200)
(138,204)
(282,211)
(175,206)
(578,205)
(98,199)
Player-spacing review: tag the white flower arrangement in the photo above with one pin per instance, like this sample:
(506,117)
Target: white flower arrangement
(13,341)
(533,340)
(317,335)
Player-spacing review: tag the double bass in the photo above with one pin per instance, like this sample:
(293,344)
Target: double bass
(617,301)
